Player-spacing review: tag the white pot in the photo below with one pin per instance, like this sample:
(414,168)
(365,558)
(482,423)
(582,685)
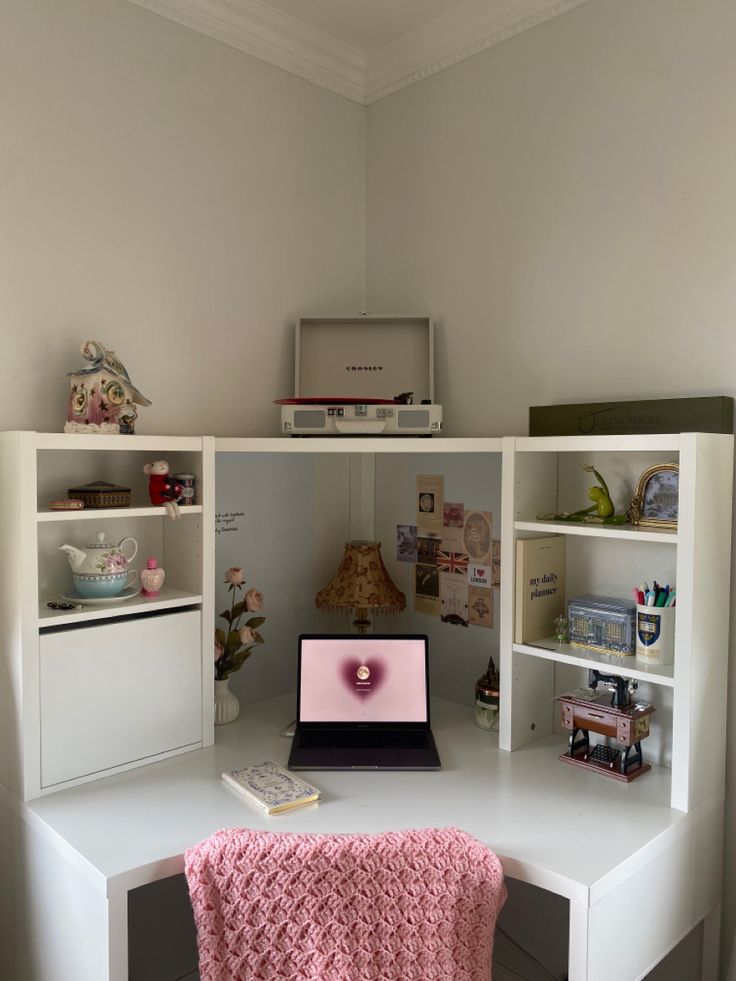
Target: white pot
(227,706)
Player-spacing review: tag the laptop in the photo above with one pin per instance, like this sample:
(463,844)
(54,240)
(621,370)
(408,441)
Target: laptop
(363,703)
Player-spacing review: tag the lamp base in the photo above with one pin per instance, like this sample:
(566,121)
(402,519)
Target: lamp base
(361,622)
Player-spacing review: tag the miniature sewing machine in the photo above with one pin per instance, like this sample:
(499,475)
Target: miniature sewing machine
(610,713)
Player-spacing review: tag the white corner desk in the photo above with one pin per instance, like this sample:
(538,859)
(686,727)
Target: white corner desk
(617,853)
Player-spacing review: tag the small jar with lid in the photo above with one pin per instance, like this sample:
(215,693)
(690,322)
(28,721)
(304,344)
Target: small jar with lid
(486,706)
(152,578)
(487,697)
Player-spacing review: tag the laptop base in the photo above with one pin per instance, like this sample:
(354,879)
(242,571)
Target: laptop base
(312,757)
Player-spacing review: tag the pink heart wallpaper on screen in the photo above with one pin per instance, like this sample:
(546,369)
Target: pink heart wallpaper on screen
(363,679)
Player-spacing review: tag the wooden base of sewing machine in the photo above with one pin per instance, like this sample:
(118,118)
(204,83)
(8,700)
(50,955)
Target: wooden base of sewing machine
(585,711)
(606,762)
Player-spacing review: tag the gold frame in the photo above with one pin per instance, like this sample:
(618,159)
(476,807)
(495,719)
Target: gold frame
(636,510)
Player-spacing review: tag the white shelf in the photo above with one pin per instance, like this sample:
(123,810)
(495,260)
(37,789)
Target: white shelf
(168,598)
(621,532)
(35,468)
(638,443)
(70,442)
(627,666)
(99,514)
(340,444)
(544,475)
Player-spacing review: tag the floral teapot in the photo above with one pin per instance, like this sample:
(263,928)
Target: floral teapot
(101,570)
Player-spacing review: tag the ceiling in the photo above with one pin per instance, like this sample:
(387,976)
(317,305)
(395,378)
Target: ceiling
(361,49)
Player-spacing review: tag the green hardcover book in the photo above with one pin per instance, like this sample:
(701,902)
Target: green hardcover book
(713,414)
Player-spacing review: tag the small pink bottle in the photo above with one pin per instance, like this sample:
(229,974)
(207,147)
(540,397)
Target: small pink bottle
(152,578)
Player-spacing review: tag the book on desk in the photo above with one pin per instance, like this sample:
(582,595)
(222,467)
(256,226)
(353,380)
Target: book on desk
(270,787)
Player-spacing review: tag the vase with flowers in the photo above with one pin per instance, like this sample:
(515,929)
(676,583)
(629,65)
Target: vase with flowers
(235,644)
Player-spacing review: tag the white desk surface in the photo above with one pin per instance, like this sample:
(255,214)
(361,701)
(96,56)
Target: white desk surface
(575,833)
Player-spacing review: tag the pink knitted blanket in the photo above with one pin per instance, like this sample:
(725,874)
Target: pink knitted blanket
(399,906)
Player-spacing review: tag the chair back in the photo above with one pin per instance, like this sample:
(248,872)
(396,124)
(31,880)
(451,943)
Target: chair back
(398,906)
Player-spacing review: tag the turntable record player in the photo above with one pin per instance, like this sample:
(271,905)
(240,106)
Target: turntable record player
(348,371)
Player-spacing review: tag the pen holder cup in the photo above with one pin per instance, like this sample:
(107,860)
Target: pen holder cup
(655,634)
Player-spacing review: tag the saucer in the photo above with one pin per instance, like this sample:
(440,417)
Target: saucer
(128,593)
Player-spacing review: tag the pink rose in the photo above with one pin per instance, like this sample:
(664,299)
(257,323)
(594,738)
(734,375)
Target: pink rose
(219,650)
(253,600)
(234,576)
(247,636)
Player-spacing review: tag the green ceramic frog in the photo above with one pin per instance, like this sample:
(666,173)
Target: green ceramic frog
(603,506)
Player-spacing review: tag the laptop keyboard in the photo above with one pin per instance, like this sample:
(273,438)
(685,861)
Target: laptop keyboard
(363,739)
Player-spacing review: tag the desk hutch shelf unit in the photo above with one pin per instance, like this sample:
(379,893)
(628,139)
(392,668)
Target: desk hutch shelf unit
(96,690)
(603,846)
(545,475)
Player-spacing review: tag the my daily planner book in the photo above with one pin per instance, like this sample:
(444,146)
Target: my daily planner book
(271,787)
(540,587)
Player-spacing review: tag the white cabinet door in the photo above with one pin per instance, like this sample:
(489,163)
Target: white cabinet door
(115,693)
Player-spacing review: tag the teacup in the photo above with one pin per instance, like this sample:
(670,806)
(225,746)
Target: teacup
(104,585)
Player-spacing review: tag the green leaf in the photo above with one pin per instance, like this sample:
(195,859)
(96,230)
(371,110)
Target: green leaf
(233,641)
(238,609)
(239,658)
(225,615)
(259,639)
(220,636)
(255,621)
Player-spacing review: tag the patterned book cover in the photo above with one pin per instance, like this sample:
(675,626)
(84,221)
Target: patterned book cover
(271,787)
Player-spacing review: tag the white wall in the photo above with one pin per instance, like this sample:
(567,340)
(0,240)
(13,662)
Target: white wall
(174,198)
(565,205)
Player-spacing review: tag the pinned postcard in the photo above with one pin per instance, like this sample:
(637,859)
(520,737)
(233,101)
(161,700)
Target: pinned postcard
(406,543)
(479,575)
(430,500)
(453,599)
(428,547)
(426,589)
(455,563)
(480,606)
(477,536)
(453,519)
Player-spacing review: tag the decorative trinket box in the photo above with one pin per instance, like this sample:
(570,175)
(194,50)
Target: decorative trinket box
(602,623)
(102,398)
(66,504)
(101,495)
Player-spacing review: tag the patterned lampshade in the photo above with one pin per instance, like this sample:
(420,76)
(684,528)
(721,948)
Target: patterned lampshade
(361,583)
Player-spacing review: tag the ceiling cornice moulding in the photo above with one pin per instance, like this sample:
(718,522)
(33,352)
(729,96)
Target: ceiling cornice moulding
(259,30)
(460,33)
(265,33)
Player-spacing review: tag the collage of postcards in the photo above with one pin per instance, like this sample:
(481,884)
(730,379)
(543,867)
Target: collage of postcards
(456,558)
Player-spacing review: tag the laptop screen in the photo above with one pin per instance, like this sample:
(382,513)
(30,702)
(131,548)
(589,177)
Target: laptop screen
(363,678)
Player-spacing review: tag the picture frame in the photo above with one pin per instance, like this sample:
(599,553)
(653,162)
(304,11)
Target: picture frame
(656,499)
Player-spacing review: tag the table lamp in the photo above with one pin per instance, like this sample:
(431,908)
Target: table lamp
(361,584)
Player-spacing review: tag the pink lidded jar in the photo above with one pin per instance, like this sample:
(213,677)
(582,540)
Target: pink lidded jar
(152,578)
